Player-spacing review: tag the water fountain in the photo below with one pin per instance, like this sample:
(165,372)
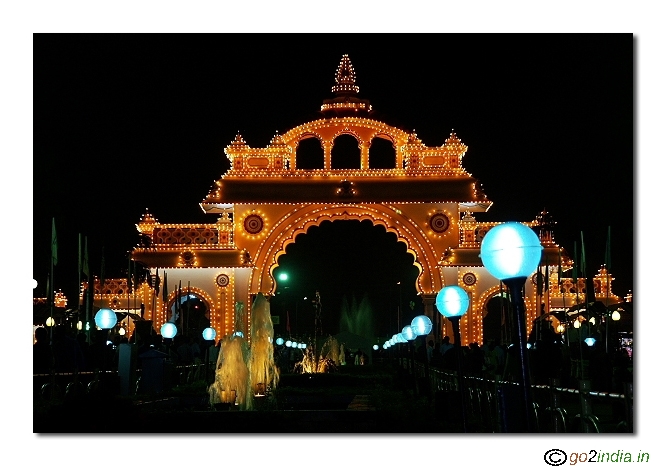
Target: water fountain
(264,374)
(243,370)
(324,362)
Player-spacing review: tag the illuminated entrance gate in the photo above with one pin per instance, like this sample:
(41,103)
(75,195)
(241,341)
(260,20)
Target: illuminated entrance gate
(347,165)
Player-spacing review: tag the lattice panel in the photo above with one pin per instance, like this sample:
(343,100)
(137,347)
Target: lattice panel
(186,236)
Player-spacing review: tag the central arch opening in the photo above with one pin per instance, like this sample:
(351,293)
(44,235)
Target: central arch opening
(363,274)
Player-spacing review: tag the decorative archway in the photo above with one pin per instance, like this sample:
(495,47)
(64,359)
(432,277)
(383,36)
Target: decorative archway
(298,222)
(269,196)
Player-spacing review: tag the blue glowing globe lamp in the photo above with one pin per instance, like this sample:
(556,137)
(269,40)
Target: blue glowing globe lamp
(408,333)
(589,341)
(106,319)
(209,334)
(169,330)
(421,325)
(511,250)
(453,302)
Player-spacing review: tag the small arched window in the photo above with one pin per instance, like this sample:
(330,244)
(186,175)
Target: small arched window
(309,154)
(345,153)
(382,154)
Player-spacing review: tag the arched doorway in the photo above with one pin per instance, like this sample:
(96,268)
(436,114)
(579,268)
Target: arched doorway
(365,278)
(193,313)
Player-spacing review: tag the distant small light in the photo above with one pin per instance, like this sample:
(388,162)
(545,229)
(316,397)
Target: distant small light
(279,341)
(375,347)
(590,341)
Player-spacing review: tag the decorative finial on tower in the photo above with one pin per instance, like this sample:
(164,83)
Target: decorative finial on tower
(238,140)
(545,224)
(147,217)
(346,102)
(345,78)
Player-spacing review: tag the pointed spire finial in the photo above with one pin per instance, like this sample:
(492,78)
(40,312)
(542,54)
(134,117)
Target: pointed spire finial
(345,78)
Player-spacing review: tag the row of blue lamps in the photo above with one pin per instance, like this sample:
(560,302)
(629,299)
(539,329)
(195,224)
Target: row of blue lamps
(510,252)
(106,319)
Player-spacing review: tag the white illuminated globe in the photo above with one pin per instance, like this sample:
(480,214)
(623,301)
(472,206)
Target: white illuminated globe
(288,344)
(209,334)
(511,250)
(452,301)
(50,321)
(375,347)
(106,319)
(408,333)
(169,330)
(400,338)
(279,341)
(421,325)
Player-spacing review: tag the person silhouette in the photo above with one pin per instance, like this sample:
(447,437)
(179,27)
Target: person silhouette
(42,358)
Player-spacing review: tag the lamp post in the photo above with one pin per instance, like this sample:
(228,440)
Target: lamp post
(399,301)
(511,252)
(168,332)
(615,316)
(208,335)
(409,335)
(105,319)
(421,326)
(452,302)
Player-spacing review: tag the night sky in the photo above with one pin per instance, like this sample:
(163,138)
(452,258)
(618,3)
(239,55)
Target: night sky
(128,122)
